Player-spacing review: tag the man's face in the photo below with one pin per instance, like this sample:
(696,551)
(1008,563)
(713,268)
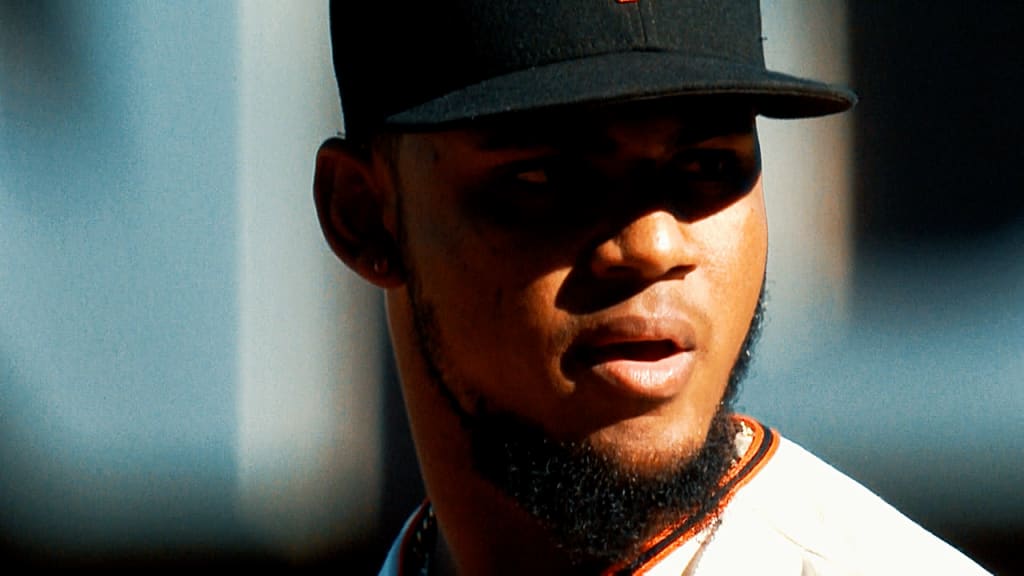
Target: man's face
(592,275)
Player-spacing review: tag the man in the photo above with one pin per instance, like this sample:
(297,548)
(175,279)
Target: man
(562,202)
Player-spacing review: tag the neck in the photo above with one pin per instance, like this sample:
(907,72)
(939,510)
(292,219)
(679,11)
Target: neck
(481,532)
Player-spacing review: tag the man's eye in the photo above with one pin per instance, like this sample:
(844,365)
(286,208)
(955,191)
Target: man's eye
(703,180)
(534,176)
(709,164)
(539,194)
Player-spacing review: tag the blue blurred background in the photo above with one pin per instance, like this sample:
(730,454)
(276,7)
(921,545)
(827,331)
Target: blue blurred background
(187,376)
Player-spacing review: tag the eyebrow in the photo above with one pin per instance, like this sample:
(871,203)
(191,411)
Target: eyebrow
(700,132)
(540,132)
(597,142)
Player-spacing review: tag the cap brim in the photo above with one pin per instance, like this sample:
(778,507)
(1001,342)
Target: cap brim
(622,77)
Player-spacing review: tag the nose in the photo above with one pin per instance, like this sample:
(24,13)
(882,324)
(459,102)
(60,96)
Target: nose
(652,246)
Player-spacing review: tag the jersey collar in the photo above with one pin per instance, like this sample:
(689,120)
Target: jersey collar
(755,443)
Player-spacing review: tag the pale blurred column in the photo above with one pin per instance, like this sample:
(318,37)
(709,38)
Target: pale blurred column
(808,185)
(310,345)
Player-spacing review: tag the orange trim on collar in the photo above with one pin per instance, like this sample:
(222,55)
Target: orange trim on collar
(762,447)
(412,525)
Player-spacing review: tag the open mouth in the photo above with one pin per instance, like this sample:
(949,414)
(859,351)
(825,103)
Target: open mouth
(649,356)
(637,351)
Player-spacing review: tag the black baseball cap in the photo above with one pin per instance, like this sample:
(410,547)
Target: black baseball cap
(422,64)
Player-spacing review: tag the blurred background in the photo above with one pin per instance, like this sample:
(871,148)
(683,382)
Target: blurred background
(188,376)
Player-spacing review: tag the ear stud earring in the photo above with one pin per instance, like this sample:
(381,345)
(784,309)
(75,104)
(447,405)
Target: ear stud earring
(380,266)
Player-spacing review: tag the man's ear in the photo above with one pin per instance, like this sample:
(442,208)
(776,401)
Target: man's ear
(348,204)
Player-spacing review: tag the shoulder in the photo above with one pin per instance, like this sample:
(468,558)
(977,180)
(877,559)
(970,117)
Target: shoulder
(802,512)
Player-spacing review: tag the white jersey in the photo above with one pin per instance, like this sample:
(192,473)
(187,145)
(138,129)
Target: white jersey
(781,511)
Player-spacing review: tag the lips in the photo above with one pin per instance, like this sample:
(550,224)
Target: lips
(640,356)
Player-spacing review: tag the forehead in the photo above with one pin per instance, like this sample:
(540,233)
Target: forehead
(605,128)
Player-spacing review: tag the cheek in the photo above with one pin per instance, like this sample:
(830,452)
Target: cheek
(748,238)
(494,308)
(737,255)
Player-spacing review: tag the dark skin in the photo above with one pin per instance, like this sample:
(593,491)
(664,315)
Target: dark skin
(591,273)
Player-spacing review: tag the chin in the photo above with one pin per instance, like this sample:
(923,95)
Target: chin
(609,478)
(648,446)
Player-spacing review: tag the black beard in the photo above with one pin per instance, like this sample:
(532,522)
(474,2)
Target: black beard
(595,510)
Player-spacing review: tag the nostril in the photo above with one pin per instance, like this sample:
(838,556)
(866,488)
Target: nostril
(619,272)
(630,273)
